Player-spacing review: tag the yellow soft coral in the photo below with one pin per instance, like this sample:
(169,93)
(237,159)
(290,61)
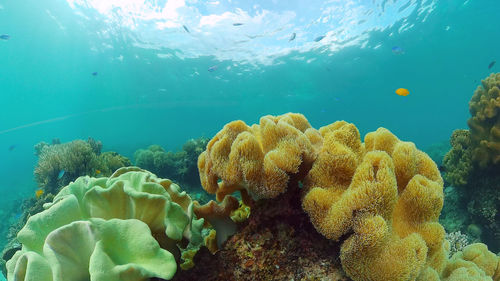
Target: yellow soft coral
(475,262)
(485,121)
(259,159)
(383,198)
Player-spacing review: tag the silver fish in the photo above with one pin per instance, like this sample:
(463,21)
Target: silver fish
(292,37)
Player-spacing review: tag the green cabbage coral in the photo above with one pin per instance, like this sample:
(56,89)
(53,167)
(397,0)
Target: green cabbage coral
(130,226)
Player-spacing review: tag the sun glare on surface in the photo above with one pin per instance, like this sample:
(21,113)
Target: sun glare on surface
(264,30)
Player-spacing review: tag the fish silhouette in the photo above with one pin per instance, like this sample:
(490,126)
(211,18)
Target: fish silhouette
(397,50)
(319,38)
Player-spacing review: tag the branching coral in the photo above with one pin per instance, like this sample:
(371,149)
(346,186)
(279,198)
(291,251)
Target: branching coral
(59,164)
(260,159)
(76,158)
(131,223)
(485,121)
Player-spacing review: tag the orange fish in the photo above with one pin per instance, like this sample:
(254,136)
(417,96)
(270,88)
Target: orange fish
(97,172)
(402,92)
(38,193)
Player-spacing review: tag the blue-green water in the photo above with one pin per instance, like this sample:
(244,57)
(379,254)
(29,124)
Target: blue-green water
(153,85)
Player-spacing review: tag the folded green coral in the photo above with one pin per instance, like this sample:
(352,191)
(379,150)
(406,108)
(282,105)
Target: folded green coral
(131,223)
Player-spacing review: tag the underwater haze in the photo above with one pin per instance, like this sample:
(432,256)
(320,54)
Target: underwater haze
(132,73)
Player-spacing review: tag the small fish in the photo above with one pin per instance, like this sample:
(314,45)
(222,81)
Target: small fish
(5,36)
(442,169)
(397,50)
(491,64)
(292,37)
(97,172)
(402,92)
(39,193)
(61,174)
(12,147)
(186,29)
(237,24)
(212,68)
(94,73)
(319,38)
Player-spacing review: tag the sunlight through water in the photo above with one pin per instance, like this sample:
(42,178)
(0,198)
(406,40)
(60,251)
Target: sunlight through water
(236,30)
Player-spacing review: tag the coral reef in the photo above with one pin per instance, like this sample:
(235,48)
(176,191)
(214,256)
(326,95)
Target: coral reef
(484,123)
(457,162)
(458,241)
(180,166)
(277,242)
(437,151)
(109,162)
(474,203)
(260,159)
(453,217)
(315,205)
(59,164)
(380,199)
(482,198)
(473,164)
(107,222)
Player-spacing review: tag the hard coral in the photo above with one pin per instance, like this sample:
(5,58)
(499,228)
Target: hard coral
(473,163)
(180,166)
(485,121)
(111,161)
(59,164)
(260,159)
(131,223)
(76,158)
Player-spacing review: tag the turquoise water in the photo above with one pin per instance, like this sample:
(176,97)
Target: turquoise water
(153,84)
